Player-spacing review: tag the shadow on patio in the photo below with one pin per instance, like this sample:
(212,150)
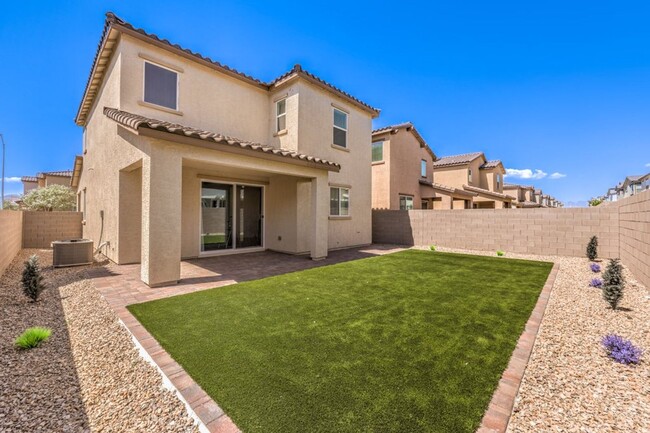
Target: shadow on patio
(121,284)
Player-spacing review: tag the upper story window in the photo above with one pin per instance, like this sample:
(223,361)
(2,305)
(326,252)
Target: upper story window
(281,115)
(340,128)
(339,201)
(423,168)
(160,86)
(377,151)
(469,176)
(498,181)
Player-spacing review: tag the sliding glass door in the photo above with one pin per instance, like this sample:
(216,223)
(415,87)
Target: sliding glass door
(231,216)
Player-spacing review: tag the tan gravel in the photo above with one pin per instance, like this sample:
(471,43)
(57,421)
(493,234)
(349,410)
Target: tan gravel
(88,376)
(570,385)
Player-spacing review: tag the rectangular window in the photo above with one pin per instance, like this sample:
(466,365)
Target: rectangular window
(405,202)
(339,201)
(469,176)
(377,151)
(160,86)
(498,181)
(423,168)
(340,128)
(281,115)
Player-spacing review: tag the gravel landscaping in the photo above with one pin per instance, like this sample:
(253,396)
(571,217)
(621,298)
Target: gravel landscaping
(570,384)
(88,376)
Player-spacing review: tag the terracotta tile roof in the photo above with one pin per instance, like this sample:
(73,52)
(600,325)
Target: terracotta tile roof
(63,173)
(447,188)
(114,25)
(29,179)
(490,164)
(135,121)
(514,185)
(465,158)
(482,191)
(530,204)
(298,71)
(409,127)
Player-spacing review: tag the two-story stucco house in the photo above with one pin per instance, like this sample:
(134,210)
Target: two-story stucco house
(472,172)
(402,173)
(522,195)
(164,178)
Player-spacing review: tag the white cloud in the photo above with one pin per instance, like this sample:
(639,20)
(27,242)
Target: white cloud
(525,173)
(12,179)
(557,175)
(648,164)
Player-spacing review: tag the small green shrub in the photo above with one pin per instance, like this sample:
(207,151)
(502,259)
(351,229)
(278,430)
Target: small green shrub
(613,283)
(592,248)
(432,247)
(32,279)
(32,337)
(501,253)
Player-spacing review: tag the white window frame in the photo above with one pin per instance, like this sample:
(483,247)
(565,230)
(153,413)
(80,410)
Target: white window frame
(423,168)
(339,189)
(407,198)
(144,83)
(334,109)
(498,180)
(278,115)
(469,176)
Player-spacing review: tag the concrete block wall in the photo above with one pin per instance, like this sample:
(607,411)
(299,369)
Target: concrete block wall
(41,228)
(563,232)
(634,216)
(11,232)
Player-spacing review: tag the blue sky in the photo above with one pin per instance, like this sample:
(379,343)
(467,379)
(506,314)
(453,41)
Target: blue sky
(559,87)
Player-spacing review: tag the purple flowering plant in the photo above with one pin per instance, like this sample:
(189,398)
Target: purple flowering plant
(596,282)
(621,350)
(595,267)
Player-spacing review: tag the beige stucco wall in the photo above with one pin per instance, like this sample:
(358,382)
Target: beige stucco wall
(400,174)
(11,230)
(57,180)
(488,179)
(28,186)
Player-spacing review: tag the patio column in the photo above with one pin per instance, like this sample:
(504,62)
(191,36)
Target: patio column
(320,216)
(161,217)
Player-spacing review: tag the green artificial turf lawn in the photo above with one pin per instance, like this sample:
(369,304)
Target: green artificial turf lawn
(414,341)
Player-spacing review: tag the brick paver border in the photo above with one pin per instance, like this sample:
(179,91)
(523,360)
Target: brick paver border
(498,413)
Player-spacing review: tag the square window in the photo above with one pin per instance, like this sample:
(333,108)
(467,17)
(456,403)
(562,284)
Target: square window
(405,202)
(160,86)
(339,201)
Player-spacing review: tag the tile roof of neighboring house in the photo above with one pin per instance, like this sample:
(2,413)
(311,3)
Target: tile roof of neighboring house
(62,173)
(487,192)
(135,121)
(409,127)
(538,191)
(490,164)
(113,25)
(514,186)
(466,158)
(29,179)
(446,188)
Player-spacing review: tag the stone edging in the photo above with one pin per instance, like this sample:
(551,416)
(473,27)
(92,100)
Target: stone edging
(498,413)
(210,416)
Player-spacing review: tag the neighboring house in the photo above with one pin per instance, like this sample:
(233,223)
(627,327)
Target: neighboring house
(522,195)
(635,184)
(41,180)
(538,196)
(164,178)
(402,175)
(473,173)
